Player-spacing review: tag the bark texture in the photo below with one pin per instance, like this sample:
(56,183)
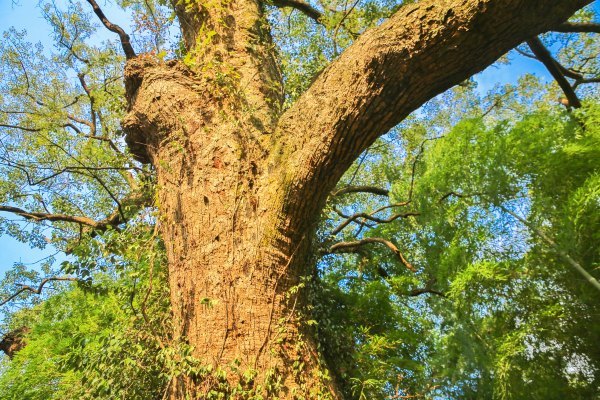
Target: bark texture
(13,341)
(240,186)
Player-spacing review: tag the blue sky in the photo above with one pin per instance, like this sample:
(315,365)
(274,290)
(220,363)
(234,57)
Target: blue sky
(26,15)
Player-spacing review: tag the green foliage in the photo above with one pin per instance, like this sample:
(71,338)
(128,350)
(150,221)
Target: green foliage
(515,321)
(86,338)
(305,48)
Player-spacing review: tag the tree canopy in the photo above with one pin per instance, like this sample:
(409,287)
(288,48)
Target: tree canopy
(457,257)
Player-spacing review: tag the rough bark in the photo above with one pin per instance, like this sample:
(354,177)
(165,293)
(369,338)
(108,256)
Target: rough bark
(240,188)
(13,341)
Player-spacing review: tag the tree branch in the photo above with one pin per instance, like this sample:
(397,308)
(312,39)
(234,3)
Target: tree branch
(81,170)
(38,289)
(413,173)
(370,217)
(116,218)
(344,247)
(125,40)
(554,246)
(301,6)
(542,54)
(578,27)
(388,72)
(361,189)
(19,127)
(38,217)
(86,89)
(586,81)
(425,290)
(459,195)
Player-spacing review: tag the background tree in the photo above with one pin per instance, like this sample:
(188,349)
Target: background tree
(242,165)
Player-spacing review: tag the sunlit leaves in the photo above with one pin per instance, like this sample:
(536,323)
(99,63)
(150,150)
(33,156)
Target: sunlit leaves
(514,315)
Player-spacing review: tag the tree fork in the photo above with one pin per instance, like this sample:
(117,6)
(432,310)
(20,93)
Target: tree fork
(240,187)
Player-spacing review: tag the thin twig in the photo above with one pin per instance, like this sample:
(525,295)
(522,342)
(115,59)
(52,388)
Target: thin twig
(38,290)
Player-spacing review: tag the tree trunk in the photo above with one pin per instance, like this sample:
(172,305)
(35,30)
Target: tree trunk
(231,268)
(233,264)
(240,187)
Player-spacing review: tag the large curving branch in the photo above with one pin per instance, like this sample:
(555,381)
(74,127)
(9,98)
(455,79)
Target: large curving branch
(390,71)
(301,6)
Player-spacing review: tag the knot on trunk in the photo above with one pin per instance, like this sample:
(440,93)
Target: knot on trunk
(14,341)
(135,137)
(163,98)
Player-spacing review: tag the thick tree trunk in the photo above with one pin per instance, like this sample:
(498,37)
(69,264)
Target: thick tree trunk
(232,269)
(240,189)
